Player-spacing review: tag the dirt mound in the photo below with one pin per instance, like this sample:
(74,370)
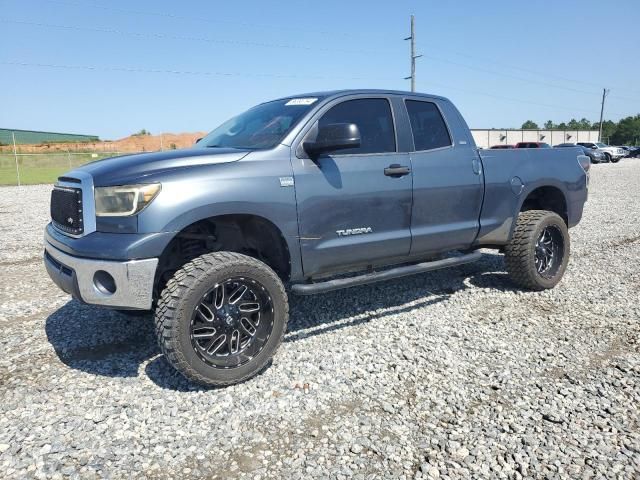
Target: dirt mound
(152,143)
(133,143)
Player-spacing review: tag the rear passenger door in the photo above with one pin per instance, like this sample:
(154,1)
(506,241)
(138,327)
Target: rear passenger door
(350,211)
(447,180)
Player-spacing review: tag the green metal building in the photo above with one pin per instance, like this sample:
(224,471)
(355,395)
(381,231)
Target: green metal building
(32,137)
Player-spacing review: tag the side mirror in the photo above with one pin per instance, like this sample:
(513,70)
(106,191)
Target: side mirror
(595,147)
(335,136)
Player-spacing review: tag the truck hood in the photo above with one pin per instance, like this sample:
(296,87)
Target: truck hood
(130,168)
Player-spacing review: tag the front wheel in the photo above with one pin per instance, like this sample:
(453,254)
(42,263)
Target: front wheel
(615,160)
(607,157)
(221,318)
(537,255)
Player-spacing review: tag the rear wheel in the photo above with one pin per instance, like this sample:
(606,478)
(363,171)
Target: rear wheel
(221,318)
(537,255)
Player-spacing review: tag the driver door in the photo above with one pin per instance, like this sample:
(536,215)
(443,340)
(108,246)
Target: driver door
(351,211)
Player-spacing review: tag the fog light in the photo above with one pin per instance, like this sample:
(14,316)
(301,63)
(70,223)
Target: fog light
(104,282)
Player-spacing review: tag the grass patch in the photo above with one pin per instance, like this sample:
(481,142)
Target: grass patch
(41,168)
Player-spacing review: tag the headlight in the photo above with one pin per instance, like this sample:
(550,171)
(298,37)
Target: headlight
(124,200)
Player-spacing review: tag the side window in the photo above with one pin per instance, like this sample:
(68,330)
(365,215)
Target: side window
(374,120)
(429,129)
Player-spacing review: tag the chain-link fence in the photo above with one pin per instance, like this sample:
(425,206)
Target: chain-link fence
(34,168)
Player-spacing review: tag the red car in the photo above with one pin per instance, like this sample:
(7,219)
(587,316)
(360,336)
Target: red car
(532,145)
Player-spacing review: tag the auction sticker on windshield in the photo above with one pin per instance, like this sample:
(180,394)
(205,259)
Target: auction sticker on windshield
(301,101)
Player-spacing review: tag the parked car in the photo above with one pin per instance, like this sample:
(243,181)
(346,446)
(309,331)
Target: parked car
(613,154)
(366,185)
(628,151)
(595,155)
(532,145)
(499,147)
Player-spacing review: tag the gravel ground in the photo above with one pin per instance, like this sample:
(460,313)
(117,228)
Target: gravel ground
(452,374)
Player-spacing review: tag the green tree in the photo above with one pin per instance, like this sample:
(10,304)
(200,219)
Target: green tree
(584,124)
(573,124)
(529,124)
(608,130)
(627,131)
(624,132)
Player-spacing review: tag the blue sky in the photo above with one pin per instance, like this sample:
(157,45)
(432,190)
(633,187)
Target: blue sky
(232,55)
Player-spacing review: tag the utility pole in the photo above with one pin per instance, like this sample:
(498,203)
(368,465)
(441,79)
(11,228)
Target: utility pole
(605,92)
(413,55)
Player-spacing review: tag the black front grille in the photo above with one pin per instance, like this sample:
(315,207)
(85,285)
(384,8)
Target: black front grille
(66,209)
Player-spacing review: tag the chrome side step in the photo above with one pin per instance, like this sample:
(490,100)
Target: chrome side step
(397,272)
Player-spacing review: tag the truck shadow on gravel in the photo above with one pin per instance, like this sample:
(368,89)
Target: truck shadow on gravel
(107,343)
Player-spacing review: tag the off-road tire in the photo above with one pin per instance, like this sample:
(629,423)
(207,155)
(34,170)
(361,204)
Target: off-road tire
(520,251)
(183,293)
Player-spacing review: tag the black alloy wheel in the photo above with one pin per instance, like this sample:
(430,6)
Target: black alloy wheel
(549,251)
(221,318)
(232,323)
(537,255)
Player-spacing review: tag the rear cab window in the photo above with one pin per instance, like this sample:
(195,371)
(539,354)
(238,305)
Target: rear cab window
(427,125)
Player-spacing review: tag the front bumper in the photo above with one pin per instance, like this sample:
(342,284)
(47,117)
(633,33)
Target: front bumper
(115,284)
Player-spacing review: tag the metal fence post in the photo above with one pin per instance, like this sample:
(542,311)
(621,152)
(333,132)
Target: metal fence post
(15,154)
(69,157)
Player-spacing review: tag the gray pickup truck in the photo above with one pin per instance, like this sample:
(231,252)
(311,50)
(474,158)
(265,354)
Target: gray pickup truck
(317,192)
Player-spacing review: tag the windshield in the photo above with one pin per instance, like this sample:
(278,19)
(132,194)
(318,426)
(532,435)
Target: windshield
(602,145)
(260,127)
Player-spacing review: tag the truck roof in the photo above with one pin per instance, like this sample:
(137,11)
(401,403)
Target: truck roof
(343,92)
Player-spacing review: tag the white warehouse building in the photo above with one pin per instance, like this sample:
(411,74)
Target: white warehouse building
(488,138)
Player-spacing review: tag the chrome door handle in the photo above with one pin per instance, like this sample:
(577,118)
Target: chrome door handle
(396,170)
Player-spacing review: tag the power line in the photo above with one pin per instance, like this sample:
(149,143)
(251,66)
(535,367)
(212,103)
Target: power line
(271,75)
(216,20)
(173,72)
(521,79)
(291,46)
(179,37)
(528,70)
(516,100)
(324,32)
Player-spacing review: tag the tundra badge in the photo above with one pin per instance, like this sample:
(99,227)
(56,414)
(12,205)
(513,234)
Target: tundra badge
(354,231)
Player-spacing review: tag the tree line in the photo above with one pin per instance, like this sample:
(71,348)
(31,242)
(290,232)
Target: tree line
(624,132)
